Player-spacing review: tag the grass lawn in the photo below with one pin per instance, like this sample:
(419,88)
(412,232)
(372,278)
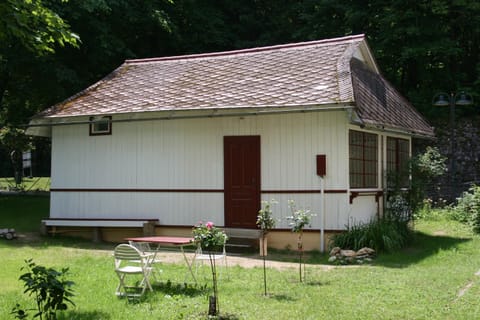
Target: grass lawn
(28,184)
(435,278)
(23,212)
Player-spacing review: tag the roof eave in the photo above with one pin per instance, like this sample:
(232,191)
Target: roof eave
(398,130)
(181,114)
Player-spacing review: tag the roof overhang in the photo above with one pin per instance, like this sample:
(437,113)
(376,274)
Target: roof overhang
(356,120)
(43,126)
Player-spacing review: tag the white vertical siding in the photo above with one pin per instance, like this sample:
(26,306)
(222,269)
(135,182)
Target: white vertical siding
(188,155)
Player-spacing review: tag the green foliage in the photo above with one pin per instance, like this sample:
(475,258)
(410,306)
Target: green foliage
(398,208)
(15,142)
(48,287)
(23,213)
(450,255)
(300,218)
(209,236)
(29,32)
(431,163)
(383,235)
(14,139)
(433,43)
(40,184)
(265,220)
(34,26)
(422,168)
(435,211)
(468,208)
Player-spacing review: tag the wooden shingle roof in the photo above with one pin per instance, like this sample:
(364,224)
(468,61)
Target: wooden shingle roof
(316,73)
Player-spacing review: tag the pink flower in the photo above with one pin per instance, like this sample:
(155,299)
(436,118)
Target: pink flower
(209,225)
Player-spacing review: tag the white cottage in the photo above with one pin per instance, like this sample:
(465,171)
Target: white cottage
(177,140)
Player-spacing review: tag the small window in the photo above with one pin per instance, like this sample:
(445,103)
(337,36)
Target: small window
(102,126)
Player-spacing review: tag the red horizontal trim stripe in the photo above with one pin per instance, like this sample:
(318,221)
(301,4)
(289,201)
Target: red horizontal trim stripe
(132,190)
(305,191)
(187,190)
(102,219)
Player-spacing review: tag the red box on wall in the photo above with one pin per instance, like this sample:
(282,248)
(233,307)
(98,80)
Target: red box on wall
(321,165)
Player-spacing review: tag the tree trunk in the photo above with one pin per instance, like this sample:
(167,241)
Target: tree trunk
(212,306)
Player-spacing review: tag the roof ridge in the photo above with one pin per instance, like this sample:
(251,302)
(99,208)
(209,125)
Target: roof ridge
(248,50)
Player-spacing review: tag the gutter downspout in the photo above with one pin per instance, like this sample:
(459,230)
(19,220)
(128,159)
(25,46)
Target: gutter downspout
(322,209)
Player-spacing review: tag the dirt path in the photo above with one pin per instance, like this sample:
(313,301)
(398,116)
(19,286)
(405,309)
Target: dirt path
(233,260)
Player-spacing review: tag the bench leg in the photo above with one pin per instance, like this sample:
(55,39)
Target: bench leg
(43,229)
(148,229)
(97,234)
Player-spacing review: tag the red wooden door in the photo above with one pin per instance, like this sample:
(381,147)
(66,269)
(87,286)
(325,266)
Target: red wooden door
(242,180)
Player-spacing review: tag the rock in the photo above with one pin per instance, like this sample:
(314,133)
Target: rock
(335,251)
(348,253)
(339,256)
(332,259)
(366,251)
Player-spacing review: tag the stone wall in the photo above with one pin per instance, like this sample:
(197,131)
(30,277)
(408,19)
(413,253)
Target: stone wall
(466,158)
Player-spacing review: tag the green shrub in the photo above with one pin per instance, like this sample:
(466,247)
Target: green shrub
(384,235)
(423,169)
(49,288)
(467,209)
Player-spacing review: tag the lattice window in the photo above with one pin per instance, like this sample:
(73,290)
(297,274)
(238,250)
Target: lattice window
(398,156)
(363,159)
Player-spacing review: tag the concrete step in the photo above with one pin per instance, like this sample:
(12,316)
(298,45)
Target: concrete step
(241,245)
(243,233)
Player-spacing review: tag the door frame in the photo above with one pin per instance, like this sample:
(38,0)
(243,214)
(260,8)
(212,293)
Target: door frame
(252,140)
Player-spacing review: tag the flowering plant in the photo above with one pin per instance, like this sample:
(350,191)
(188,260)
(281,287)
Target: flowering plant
(209,236)
(265,220)
(299,218)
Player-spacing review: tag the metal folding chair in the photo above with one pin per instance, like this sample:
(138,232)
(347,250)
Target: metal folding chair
(151,253)
(129,261)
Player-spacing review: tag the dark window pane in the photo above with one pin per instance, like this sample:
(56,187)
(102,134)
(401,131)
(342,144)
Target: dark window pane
(363,159)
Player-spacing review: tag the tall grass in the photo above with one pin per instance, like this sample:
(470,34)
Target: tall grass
(386,234)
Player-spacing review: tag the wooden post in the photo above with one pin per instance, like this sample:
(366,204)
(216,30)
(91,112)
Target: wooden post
(43,229)
(263,246)
(97,234)
(149,228)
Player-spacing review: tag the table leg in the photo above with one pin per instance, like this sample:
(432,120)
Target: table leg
(189,264)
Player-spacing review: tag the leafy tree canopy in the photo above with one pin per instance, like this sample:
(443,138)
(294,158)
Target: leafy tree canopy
(32,25)
(28,29)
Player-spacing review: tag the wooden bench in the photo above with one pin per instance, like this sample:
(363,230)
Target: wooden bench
(148,225)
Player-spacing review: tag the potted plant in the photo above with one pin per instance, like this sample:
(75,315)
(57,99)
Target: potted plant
(210,239)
